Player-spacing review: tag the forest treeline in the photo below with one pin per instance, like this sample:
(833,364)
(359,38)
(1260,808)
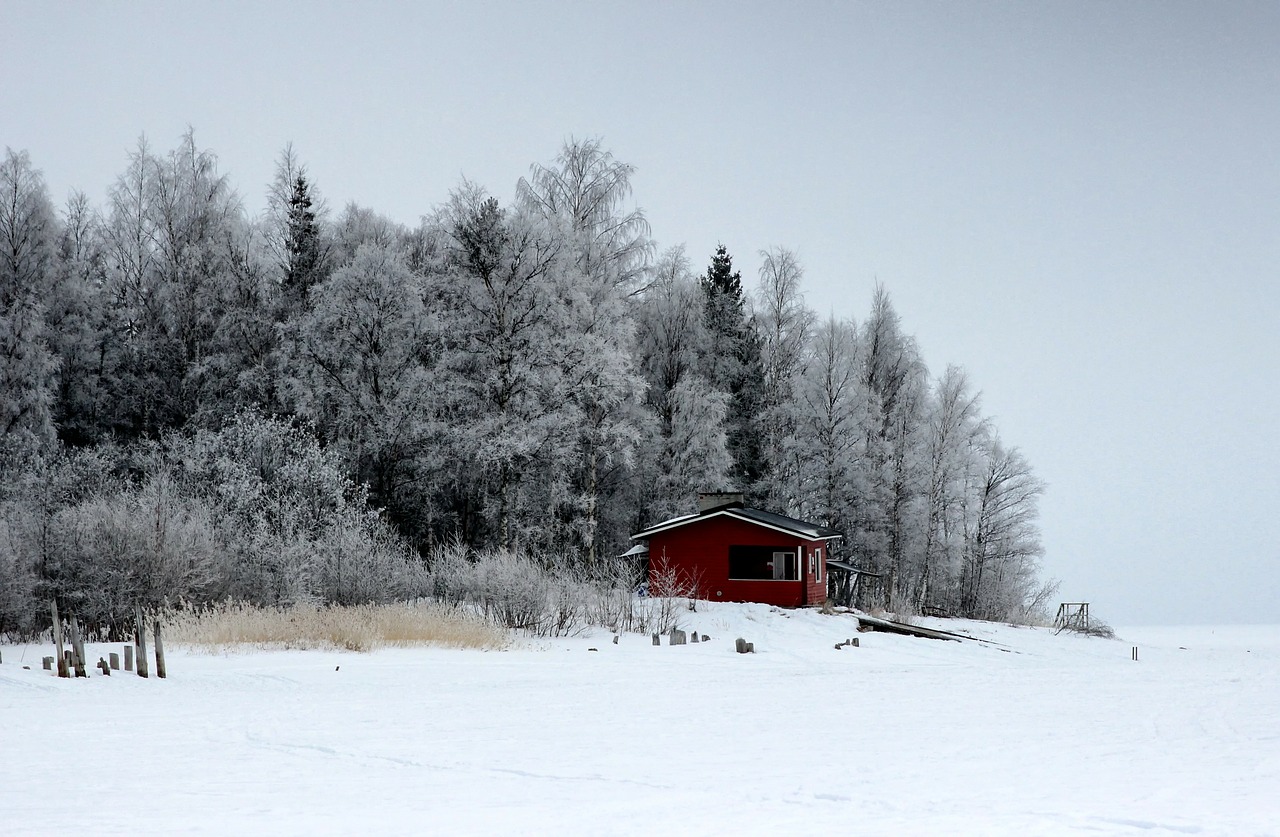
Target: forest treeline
(310,405)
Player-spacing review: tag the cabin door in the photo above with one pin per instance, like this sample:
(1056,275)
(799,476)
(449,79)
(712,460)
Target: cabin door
(784,566)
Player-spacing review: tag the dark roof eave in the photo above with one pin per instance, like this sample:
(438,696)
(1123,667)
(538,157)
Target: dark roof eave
(767,520)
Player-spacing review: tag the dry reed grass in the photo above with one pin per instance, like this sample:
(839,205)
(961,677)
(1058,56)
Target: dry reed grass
(353,628)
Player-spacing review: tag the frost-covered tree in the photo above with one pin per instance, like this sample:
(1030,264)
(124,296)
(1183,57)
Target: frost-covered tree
(586,194)
(829,406)
(358,372)
(27,240)
(695,452)
(784,323)
(77,317)
(894,377)
(999,578)
(358,225)
(505,318)
(953,427)
(173,235)
(672,339)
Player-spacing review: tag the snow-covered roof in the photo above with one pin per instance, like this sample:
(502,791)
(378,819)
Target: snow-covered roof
(759,517)
(635,551)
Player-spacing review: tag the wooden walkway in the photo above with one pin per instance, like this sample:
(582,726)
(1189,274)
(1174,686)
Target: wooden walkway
(915,630)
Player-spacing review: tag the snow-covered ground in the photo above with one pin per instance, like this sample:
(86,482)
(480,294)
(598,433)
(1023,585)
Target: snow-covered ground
(902,736)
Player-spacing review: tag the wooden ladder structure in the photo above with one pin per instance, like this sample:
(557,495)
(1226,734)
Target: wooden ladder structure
(1072,616)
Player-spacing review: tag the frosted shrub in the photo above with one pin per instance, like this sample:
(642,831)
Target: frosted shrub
(17,583)
(548,597)
(146,547)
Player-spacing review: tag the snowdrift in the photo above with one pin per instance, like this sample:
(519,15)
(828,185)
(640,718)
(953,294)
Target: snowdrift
(1022,733)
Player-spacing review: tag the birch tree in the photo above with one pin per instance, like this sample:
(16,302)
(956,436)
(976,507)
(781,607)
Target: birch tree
(784,324)
(587,192)
(894,377)
(829,406)
(999,579)
(953,428)
(506,318)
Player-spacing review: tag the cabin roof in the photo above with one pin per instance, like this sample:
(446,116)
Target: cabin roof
(758,517)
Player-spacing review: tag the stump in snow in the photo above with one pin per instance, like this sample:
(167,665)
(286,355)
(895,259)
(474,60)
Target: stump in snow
(657,640)
(744,647)
(677,637)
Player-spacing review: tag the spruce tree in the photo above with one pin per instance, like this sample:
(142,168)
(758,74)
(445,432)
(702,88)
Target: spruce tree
(304,256)
(733,364)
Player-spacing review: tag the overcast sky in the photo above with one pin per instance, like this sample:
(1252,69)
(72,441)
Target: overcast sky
(1078,202)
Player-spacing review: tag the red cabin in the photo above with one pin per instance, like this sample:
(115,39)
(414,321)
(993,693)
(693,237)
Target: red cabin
(729,553)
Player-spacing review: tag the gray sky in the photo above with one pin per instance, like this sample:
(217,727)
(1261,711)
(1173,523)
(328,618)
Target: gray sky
(1077,202)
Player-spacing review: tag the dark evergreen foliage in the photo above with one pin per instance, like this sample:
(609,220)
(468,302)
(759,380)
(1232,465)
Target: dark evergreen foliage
(304,247)
(734,366)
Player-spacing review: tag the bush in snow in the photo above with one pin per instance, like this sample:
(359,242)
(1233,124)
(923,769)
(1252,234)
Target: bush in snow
(547,597)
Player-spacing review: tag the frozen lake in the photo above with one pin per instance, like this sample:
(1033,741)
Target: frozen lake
(1037,735)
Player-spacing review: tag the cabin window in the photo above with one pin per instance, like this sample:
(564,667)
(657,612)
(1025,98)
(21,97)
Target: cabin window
(817,563)
(762,563)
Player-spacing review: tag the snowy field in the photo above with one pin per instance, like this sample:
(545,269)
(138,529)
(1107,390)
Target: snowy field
(1039,735)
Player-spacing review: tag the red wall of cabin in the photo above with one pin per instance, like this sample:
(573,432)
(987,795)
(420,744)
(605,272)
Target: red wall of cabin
(699,552)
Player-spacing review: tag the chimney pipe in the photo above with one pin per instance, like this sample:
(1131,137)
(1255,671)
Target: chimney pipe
(715,500)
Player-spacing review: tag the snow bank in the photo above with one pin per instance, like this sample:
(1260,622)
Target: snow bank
(1025,733)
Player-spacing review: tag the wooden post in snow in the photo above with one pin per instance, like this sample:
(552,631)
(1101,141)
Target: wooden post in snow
(63,671)
(140,640)
(159,652)
(113,659)
(128,657)
(77,646)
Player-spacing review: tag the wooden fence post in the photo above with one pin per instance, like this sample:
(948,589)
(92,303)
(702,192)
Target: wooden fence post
(113,659)
(128,657)
(140,639)
(159,652)
(63,671)
(77,645)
